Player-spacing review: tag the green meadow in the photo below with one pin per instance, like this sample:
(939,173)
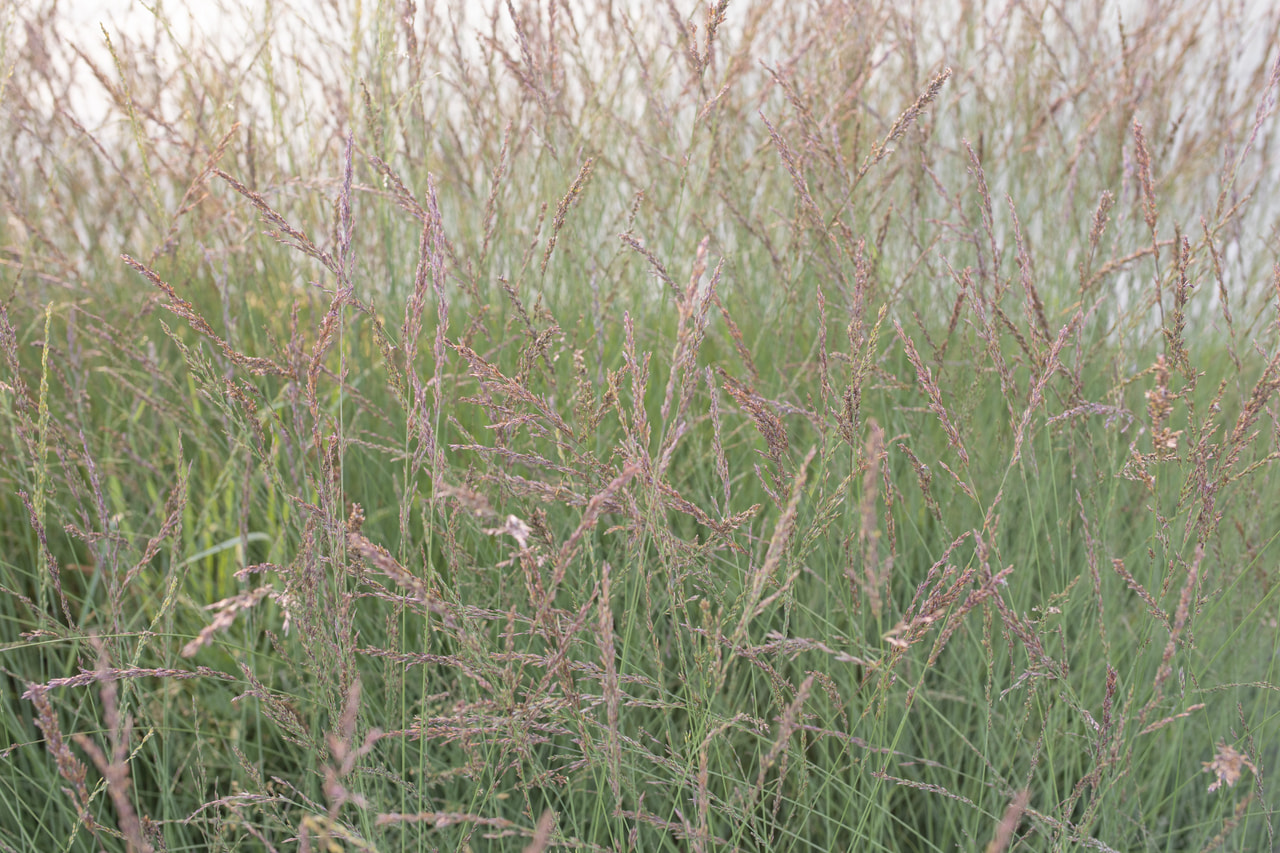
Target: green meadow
(674,426)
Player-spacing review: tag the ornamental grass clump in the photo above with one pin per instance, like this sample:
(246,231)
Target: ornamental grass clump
(577,425)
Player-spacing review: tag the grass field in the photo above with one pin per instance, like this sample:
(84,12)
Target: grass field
(751,426)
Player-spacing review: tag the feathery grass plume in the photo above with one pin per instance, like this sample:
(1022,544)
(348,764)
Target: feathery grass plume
(430,265)
(115,767)
(500,170)
(1009,822)
(571,199)
(494,382)
(281,230)
(690,333)
(687,338)
(600,503)
(739,343)
(962,293)
(542,833)
(811,140)
(924,377)
(1052,364)
(14,385)
(329,832)
(171,528)
(441,820)
(795,170)
(658,269)
(1041,664)
(1164,441)
(227,610)
(1227,766)
(904,120)
(1152,605)
(1150,212)
(758,578)
(530,75)
(243,394)
(193,195)
(188,312)
(686,35)
(1107,728)
(635,423)
(766,423)
(1097,226)
(294,727)
(1175,337)
(1091,558)
(826,392)
(717,442)
(862,355)
(473,502)
(883,776)
(333,320)
(342,751)
(1180,617)
(948,586)
(86,677)
(996,253)
(1105,753)
(875,572)
(1266,107)
(372,119)
(404,198)
(72,770)
(1117,264)
(1101,216)
(710,29)
(51,562)
(1033,308)
(1224,295)
(380,558)
(987,331)
(40,489)
(439,248)
(924,478)
(1160,724)
(787,724)
(1268,383)
(125,98)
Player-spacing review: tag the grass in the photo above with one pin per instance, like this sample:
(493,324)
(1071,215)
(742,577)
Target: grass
(750,426)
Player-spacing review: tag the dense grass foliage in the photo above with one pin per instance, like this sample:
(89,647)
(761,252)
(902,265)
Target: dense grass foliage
(751,425)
